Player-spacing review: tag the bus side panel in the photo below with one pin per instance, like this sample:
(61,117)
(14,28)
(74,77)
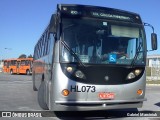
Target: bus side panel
(5,69)
(13,69)
(38,71)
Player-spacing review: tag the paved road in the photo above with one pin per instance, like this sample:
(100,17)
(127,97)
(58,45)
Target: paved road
(16,94)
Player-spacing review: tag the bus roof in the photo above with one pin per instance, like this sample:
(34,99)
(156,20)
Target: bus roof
(18,59)
(10,59)
(24,58)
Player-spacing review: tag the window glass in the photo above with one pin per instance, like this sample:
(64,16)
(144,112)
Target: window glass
(102,42)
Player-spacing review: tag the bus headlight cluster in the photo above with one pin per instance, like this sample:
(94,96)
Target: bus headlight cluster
(76,73)
(134,73)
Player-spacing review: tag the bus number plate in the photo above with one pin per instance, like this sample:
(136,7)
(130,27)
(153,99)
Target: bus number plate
(106,95)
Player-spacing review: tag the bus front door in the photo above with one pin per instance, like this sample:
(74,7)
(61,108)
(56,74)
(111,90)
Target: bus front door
(18,66)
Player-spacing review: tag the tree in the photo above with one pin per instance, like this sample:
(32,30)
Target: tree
(30,56)
(22,56)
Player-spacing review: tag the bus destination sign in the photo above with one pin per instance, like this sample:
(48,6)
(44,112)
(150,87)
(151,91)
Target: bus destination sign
(111,16)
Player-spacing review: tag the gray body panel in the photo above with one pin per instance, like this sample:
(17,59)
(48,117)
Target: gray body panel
(125,95)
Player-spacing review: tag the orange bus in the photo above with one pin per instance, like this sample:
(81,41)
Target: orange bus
(18,66)
(9,65)
(5,66)
(12,66)
(24,65)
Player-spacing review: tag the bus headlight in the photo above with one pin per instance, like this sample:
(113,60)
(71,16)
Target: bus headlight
(131,75)
(134,73)
(79,74)
(69,69)
(74,72)
(137,72)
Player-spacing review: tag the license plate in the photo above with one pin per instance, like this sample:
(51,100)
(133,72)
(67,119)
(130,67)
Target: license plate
(106,95)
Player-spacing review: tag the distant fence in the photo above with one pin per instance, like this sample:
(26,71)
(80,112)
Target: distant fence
(152,78)
(153,73)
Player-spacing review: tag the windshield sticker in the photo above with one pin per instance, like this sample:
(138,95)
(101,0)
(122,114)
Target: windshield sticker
(113,58)
(84,58)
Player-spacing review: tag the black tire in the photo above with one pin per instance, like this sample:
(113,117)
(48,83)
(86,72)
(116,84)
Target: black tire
(28,72)
(11,72)
(41,100)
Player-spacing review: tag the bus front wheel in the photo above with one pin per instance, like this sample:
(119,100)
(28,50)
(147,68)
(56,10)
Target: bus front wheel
(28,72)
(41,99)
(33,80)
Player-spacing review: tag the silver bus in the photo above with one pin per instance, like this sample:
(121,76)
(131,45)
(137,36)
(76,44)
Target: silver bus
(91,58)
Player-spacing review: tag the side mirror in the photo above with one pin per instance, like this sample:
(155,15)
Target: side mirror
(154,41)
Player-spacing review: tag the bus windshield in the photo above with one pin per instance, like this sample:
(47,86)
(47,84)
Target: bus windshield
(98,41)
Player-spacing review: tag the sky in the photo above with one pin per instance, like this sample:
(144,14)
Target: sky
(23,21)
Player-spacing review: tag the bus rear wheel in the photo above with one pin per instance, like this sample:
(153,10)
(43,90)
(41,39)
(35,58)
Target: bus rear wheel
(41,99)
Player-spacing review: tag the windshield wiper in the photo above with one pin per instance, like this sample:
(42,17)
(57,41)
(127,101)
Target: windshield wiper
(72,52)
(137,53)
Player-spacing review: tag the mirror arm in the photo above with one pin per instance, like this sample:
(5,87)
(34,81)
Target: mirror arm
(149,50)
(147,24)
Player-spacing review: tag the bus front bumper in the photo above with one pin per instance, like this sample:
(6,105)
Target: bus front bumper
(97,105)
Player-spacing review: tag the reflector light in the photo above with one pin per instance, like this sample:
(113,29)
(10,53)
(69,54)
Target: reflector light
(65,92)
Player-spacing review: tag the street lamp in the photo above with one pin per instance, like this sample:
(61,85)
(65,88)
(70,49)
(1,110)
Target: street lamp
(8,48)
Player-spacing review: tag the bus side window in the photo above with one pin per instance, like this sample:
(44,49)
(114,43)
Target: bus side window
(51,39)
(23,62)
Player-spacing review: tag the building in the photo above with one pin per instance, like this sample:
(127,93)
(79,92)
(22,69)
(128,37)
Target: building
(153,60)
(153,66)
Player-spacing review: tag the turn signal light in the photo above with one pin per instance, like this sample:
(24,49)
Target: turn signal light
(139,92)
(65,92)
